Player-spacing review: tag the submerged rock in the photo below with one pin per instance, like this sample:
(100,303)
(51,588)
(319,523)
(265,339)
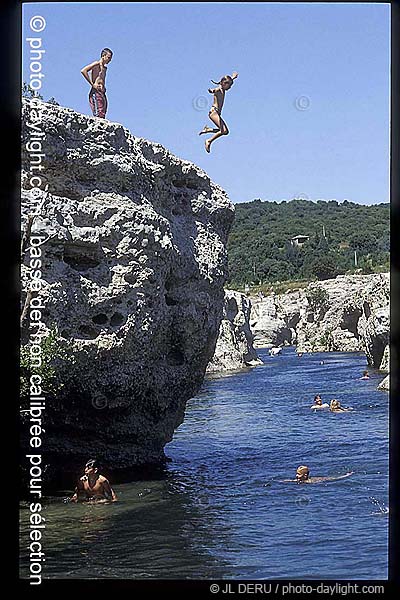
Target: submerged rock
(234,349)
(133,269)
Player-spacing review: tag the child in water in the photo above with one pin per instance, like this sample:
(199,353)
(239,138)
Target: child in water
(335,406)
(224,84)
(303,476)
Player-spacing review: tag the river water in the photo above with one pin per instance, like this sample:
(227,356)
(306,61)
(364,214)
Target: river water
(220,511)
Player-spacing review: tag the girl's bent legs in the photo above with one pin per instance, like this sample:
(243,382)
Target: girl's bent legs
(222,129)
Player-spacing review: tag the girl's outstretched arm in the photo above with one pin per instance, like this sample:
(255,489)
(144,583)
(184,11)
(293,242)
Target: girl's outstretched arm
(235,74)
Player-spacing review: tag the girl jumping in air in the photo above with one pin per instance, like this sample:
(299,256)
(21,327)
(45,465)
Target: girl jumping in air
(215,111)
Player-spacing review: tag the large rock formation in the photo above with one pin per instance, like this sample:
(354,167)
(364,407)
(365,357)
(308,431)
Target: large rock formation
(133,271)
(234,349)
(274,319)
(346,314)
(374,324)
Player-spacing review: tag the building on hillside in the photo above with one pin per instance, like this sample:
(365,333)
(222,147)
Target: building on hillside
(299,240)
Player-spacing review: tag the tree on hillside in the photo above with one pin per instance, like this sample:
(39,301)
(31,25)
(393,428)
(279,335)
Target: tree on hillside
(262,232)
(324,266)
(362,241)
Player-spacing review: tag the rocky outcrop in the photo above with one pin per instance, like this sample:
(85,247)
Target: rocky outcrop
(385,367)
(374,323)
(385,362)
(385,384)
(346,314)
(234,349)
(133,270)
(274,319)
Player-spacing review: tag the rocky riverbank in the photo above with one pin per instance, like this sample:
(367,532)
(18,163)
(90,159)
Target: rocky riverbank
(133,269)
(346,314)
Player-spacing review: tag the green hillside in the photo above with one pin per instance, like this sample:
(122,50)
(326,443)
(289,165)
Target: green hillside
(260,247)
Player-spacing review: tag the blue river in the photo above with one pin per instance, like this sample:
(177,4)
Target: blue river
(220,509)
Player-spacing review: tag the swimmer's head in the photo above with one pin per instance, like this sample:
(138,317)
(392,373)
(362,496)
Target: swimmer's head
(317,399)
(365,374)
(302,473)
(334,403)
(91,466)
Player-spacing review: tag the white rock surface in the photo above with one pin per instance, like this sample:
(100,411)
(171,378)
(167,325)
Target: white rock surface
(234,349)
(353,318)
(134,270)
(385,362)
(274,319)
(385,384)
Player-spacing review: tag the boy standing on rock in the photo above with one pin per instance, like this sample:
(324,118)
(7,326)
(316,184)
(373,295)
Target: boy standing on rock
(97,94)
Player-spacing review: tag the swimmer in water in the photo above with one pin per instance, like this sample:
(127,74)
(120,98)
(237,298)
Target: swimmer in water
(303,476)
(93,486)
(335,406)
(365,375)
(318,404)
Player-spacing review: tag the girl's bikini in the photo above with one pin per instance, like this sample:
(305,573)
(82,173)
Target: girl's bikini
(216,109)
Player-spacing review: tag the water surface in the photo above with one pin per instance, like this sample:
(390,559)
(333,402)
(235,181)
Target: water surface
(220,511)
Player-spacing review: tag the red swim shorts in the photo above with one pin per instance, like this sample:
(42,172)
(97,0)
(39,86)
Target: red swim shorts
(98,103)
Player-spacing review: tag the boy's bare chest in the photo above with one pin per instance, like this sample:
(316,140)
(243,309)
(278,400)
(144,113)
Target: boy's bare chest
(96,487)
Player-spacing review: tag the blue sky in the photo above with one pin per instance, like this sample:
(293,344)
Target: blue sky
(308,115)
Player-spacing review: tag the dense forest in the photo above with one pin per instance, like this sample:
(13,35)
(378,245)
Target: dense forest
(342,238)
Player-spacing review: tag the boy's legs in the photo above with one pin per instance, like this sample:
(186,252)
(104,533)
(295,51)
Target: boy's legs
(98,103)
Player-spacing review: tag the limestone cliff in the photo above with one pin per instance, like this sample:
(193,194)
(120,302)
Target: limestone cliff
(340,315)
(134,266)
(234,349)
(274,319)
(346,314)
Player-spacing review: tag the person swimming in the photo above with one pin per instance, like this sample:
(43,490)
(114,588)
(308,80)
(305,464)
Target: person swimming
(365,375)
(318,404)
(93,486)
(335,406)
(303,476)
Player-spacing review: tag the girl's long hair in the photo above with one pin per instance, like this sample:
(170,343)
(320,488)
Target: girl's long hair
(223,79)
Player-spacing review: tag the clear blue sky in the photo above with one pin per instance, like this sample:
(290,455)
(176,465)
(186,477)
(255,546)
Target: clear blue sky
(334,57)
